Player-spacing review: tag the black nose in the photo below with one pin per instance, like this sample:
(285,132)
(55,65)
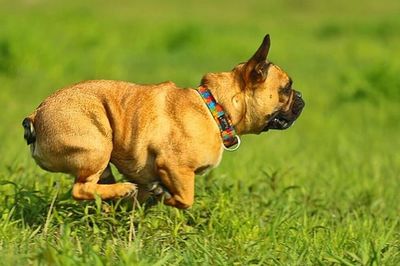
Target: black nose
(298,104)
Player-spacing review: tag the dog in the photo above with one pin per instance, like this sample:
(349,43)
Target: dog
(157,136)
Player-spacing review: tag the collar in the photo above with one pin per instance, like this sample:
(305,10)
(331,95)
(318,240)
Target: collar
(228,133)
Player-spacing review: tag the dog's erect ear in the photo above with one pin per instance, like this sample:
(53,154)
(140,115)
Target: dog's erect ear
(262,52)
(255,70)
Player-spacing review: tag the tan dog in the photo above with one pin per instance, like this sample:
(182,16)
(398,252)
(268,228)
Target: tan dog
(157,136)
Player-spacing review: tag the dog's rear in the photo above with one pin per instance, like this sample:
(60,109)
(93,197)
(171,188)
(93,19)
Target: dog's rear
(29,130)
(70,132)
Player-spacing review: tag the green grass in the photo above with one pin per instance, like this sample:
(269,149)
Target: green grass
(324,192)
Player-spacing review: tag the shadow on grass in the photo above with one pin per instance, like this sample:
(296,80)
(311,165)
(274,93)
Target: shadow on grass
(26,205)
(33,208)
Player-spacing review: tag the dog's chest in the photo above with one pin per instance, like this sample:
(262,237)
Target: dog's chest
(209,163)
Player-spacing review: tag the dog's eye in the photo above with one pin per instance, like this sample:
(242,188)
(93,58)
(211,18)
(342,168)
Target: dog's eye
(286,90)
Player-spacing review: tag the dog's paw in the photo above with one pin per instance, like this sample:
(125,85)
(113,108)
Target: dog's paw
(158,190)
(128,190)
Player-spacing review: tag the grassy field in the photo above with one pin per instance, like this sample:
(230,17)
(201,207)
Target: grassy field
(324,192)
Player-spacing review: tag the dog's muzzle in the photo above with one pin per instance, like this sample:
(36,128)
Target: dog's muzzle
(283,120)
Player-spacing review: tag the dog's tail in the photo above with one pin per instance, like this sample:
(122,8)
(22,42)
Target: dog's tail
(29,130)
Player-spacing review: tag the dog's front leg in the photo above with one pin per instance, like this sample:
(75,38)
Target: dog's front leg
(179,183)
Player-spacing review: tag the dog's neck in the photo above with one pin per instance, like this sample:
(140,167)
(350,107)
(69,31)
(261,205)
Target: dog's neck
(225,88)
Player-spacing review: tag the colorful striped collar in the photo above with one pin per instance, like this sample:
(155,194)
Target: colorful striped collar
(228,133)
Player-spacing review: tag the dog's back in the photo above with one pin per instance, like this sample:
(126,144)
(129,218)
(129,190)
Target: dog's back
(101,121)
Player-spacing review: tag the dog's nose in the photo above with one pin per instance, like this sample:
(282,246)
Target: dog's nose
(298,104)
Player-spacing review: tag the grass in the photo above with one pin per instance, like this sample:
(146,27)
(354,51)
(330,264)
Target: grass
(324,192)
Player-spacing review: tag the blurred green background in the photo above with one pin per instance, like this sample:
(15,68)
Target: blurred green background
(340,162)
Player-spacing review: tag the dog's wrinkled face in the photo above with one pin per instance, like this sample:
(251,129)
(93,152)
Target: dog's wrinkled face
(271,102)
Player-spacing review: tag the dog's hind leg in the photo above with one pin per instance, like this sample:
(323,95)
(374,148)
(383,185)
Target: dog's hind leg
(86,188)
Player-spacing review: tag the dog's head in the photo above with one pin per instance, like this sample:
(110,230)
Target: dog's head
(267,98)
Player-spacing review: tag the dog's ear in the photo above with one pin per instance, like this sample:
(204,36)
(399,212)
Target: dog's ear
(255,70)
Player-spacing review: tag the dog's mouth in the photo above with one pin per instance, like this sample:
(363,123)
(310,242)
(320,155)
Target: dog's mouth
(283,120)
(278,122)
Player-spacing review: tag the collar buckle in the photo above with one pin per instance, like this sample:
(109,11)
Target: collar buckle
(235,146)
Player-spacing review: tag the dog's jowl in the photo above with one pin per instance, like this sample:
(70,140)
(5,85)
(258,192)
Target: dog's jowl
(158,136)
